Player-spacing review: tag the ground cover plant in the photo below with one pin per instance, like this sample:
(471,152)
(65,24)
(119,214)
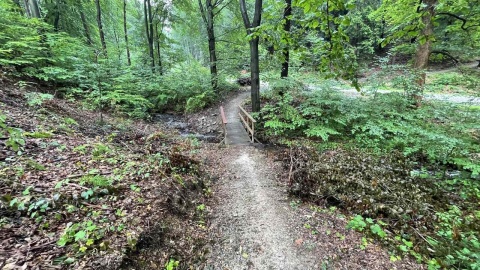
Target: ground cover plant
(410,173)
(77,192)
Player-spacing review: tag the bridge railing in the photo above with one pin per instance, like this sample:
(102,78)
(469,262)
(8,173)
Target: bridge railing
(248,121)
(224,123)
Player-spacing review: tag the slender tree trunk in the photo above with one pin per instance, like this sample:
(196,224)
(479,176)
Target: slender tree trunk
(160,68)
(100,28)
(149,30)
(129,61)
(27,8)
(286,27)
(208,18)
(85,25)
(56,21)
(35,10)
(254,58)
(424,50)
(255,74)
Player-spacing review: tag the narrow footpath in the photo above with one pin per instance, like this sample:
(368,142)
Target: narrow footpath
(255,225)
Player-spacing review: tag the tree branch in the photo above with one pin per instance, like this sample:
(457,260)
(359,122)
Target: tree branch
(243,10)
(202,11)
(447,55)
(216,13)
(464,21)
(257,17)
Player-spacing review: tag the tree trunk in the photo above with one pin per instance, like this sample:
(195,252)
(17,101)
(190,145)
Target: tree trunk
(286,27)
(149,29)
(85,24)
(56,21)
(255,74)
(100,28)
(208,18)
(160,68)
(27,8)
(424,50)
(254,59)
(211,45)
(129,61)
(35,10)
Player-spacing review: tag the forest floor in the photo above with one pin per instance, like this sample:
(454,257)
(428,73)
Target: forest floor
(254,224)
(136,195)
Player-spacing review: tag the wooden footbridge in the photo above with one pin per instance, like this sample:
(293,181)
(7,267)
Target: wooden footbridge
(238,125)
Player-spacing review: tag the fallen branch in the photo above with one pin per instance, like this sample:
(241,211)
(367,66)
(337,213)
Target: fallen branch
(38,247)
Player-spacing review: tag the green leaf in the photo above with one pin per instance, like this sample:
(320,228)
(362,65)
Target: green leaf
(80,235)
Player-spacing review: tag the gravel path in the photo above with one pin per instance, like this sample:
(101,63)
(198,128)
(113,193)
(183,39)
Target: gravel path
(254,222)
(256,225)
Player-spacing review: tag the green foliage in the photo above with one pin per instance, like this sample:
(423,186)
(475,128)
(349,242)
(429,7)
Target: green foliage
(171,264)
(96,181)
(383,123)
(39,134)
(15,140)
(100,150)
(199,102)
(358,223)
(35,99)
(82,235)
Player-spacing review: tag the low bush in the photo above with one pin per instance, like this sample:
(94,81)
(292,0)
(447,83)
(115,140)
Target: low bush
(413,170)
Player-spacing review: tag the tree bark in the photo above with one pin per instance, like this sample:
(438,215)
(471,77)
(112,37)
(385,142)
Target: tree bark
(255,74)
(100,28)
(129,61)
(27,8)
(254,59)
(286,27)
(34,9)
(208,18)
(424,50)
(85,24)
(149,30)
(56,21)
(160,67)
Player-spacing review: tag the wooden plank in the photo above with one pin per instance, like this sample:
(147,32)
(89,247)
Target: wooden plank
(246,124)
(247,114)
(222,113)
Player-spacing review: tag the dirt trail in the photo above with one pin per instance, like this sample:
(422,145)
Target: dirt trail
(255,225)
(254,221)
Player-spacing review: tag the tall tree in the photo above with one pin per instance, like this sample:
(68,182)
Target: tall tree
(86,29)
(254,41)
(100,28)
(147,10)
(287,17)
(209,9)
(129,61)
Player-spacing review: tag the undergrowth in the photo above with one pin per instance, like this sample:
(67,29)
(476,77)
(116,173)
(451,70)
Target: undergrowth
(409,173)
